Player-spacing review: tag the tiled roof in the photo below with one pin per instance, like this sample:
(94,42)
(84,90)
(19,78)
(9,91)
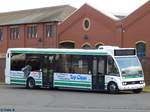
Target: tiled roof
(56,13)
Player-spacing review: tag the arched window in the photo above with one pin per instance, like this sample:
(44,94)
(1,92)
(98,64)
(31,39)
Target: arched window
(67,45)
(98,45)
(86,46)
(141,49)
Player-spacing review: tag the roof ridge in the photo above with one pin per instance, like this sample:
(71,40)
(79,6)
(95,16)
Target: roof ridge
(46,14)
(104,12)
(34,9)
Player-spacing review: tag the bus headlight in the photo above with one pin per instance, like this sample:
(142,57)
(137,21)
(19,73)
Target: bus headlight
(124,83)
(142,82)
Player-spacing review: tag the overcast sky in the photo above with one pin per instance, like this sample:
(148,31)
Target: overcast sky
(112,6)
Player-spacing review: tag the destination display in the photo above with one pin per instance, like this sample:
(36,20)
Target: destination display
(124,52)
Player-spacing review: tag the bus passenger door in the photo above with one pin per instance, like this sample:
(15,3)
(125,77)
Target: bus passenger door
(47,70)
(99,69)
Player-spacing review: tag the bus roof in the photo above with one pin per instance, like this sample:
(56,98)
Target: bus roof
(58,51)
(117,51)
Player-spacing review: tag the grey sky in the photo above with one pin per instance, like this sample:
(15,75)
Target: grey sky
(112,6)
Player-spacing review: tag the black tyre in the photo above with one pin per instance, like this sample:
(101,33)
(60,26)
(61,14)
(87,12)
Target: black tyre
(137,90)
(113,88)
(30,83)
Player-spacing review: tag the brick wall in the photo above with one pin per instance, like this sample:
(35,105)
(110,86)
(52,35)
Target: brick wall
(146,67)
(2,69)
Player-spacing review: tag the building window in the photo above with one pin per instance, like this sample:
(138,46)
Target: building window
(1,34)
(86,24)
(67,45)
(141,49)
(49,30)
(32,31)
(86,46)
(98,45)
(14,33)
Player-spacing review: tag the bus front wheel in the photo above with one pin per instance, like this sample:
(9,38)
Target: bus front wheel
(113,88)
(30,83)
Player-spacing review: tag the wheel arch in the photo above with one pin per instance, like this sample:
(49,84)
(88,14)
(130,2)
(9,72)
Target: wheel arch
(29,78)
(110,82)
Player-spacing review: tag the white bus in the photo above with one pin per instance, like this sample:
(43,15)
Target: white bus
(108,68)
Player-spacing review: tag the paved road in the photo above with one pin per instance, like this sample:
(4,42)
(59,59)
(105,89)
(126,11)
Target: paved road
(23,100)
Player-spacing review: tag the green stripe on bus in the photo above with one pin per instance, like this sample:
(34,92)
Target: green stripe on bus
(18,83)
(24,81)
(72,84)
(72,81)
(14,80)
(38,82)
(61,52)
(129,77)
(18,78)
(14,83)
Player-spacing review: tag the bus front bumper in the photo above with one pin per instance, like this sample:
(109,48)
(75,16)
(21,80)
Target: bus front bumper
(131,87)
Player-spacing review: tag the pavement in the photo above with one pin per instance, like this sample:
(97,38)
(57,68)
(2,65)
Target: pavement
(19,99)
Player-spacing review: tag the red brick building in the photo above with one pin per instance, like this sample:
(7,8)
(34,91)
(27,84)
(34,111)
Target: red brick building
(101,30)
(136,33)
(86,27)
(31,28)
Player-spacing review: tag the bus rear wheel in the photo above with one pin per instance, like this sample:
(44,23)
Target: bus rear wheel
(113,88)
(30,83)
(137,90)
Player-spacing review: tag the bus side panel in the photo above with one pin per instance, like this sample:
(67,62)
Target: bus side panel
(37,76)
(115,79)
(7,68)
(83,81)
(17,77)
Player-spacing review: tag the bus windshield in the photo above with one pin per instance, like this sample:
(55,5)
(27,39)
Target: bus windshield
(129,66)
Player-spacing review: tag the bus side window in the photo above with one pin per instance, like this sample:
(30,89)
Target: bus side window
(7,55)
(101,66)
(111,67)
(94,66)
(34,61)
(17,61)
(82,64)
